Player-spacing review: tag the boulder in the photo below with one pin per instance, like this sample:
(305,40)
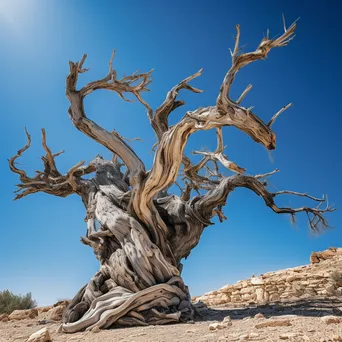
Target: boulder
(44,309)
(4,318)
(23,314)
(56,313)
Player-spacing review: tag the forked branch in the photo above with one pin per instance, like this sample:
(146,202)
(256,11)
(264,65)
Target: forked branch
(218,155)
(134,84)
(160,119)
(217,196)
(50,180)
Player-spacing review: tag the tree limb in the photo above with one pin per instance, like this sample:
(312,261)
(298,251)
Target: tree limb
(108,139)
(160,119)
(50,180)
(206,204)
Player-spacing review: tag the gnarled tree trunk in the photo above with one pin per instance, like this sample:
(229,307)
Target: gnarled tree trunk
(140,233)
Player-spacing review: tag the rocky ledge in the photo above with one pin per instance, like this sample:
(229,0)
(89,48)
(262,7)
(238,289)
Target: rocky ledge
(320,279)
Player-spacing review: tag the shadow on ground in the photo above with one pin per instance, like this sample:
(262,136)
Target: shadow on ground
(308,307)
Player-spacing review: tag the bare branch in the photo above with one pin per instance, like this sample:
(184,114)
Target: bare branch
(218,154)
(110,140)
(288,192)
(275,116)
(244,119)
(11,161)
(266,174)
(217,196)
(237,41)
(245,92)
(160,120)
(50,180)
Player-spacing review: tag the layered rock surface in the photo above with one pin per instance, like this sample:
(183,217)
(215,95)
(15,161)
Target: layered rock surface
(300,283)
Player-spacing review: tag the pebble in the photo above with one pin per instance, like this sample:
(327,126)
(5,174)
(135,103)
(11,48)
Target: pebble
(259,316)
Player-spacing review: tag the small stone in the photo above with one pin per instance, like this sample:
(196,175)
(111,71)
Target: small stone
(331,319)
(287,336)
(336,338)
(259,316)
(217,326)
(253,335)
(227,319)
(41,335)
(273,323)
(243,337)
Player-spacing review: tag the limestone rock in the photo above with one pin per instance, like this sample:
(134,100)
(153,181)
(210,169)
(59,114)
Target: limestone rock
(217,326)
(316,257)
(62,302)
(259,316)
(41,335)
(44,309)
(4,318)
(23,314)
(292,284)
(56,313)
(257,281)
(227,319)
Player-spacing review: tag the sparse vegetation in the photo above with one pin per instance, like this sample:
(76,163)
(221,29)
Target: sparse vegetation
(10,302)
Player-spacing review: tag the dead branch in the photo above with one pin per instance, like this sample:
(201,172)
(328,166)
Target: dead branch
(217,196)
(160,119)
(50,180)
(135,84)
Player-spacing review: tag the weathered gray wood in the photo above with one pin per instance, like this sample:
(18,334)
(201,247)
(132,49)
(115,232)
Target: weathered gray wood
(138,231)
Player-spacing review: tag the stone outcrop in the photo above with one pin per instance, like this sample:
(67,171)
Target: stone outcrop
(330,253)
(299,283)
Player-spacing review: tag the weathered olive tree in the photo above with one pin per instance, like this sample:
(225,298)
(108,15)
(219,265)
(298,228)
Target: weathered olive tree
(138,231)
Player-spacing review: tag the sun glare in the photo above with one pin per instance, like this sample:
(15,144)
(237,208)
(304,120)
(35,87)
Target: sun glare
(16,13)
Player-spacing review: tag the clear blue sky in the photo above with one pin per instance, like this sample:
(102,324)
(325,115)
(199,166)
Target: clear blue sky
(40,249)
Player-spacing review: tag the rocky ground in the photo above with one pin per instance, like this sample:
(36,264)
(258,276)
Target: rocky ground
(297,304)
(319,320)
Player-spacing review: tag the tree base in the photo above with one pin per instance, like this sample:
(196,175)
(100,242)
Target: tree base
(158,304)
